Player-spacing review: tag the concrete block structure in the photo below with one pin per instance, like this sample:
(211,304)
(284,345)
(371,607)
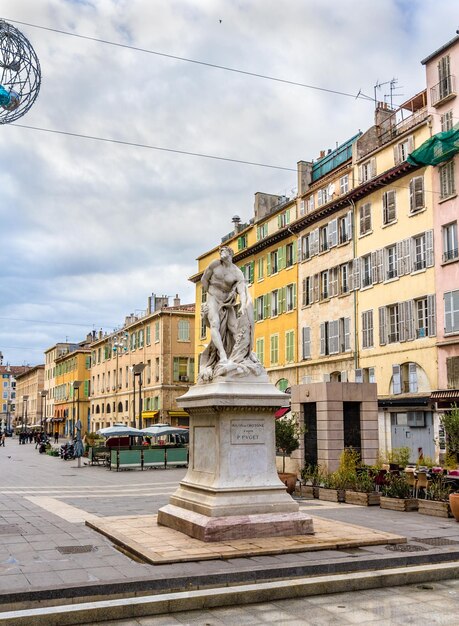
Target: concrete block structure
(336,416)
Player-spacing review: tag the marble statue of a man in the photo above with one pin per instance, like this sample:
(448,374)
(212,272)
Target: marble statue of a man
(228,312)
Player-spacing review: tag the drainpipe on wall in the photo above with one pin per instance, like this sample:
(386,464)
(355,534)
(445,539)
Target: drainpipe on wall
(354,251)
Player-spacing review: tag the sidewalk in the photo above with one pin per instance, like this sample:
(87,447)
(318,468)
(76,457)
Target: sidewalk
(48,555)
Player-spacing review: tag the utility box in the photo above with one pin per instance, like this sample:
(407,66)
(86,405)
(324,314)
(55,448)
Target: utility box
(336,416)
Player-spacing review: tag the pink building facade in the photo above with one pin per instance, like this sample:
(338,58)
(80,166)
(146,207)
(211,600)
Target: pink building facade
(442,76)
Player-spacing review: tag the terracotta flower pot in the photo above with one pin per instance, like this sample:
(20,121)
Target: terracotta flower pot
(454,504)
(289,481)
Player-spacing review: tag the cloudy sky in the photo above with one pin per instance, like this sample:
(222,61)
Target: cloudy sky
(89,229)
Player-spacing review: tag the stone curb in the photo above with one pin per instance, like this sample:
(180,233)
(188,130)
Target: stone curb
(93,592)
(126,608)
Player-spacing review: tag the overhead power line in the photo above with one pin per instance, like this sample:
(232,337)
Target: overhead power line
(358,95)
(150,147)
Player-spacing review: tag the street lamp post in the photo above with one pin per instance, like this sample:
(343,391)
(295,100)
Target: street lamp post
(137,371)
(43,394)
(24,412)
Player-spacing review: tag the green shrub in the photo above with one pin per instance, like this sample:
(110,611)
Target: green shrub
(399,456)
(396,487)
(439,489)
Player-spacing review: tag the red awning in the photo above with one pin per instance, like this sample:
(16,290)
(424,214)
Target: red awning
(281,412)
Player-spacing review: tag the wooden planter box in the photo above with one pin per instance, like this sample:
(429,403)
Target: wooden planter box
(331,495)
(361,498)
(309,491)
(399,504)
(433,507)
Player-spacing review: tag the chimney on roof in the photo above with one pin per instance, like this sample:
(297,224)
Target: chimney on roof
(176,300)
(322,154)
(1,358)
(100,333)
(236,223)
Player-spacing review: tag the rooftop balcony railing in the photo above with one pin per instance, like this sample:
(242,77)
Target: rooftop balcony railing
(443,91)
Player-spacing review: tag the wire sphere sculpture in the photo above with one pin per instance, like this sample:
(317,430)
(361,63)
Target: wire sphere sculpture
(20,74)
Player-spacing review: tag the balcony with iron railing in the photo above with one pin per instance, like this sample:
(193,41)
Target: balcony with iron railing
(366,281)
(450,255)
(443,91)
(419,265)
(400,127)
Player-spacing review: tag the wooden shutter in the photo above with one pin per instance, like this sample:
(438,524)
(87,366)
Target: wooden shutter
(396,379)
(176,367)
(304,286)
(382,325)
(333,233)
(431,320)
(410,332)
(299,251)
(311,290)
(408,258)
(316,287)
(281,258)
(266,305)
(333,337)
(314,242)
(374,268)
(397,159)
(282,301)
(429,248)
(373,167)
(294,295)
(356,274)
(412,378)
(349,225)
(322,339)
(306,341)
(416,194)
(347,333)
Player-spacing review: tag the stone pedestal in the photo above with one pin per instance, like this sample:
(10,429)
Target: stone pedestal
(232,489)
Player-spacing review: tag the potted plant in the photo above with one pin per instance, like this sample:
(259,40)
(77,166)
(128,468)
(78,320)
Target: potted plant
(396,494)
(287,441)
(438,502)
(454,505)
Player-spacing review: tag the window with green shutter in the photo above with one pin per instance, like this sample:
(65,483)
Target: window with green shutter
(260,349)
(290,346)
(274,343)
(148,335)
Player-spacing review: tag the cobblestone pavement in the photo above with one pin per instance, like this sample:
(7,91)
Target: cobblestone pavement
(44,543)
(426,604)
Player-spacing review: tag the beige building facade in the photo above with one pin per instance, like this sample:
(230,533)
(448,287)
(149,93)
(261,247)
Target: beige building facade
(29,401)
(151,355)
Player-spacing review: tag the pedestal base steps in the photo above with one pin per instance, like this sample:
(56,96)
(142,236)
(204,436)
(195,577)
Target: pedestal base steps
(230,527)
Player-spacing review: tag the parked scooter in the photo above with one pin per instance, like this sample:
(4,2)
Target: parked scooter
(67,451)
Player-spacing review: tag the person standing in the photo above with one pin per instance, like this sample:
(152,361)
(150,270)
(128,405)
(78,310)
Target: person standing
(56,436)
(2,439)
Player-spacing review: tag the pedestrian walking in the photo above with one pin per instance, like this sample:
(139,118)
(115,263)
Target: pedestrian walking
(56,436)
(30,436)
(2,439)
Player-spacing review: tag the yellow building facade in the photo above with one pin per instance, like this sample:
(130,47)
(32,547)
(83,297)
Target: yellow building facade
(72,389)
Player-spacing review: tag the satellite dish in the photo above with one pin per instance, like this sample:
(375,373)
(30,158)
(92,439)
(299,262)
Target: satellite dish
(330,190)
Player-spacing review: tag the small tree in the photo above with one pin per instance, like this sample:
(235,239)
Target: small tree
(450,422)
(287,437)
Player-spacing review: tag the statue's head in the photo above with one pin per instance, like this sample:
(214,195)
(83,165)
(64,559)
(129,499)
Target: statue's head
(226,251)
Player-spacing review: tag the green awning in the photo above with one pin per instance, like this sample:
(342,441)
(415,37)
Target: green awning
(439,148)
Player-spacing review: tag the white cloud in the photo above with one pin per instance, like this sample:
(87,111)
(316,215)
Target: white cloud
(90,229)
